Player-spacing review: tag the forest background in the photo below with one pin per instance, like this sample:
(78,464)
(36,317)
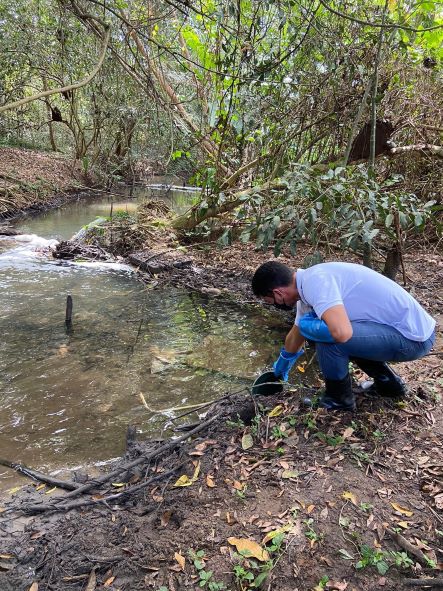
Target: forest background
(318,121)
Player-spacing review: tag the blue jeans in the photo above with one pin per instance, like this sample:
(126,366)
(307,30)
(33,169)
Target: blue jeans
(370,340)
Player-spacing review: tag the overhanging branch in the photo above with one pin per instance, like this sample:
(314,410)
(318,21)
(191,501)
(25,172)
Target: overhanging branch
(61,89)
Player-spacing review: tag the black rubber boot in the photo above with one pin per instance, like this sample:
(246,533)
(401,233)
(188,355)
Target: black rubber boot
(338,396)
(386,382)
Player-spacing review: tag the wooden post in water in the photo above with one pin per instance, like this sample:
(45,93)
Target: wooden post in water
(68,315)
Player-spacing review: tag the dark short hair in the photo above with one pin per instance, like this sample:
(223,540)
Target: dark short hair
(269,276)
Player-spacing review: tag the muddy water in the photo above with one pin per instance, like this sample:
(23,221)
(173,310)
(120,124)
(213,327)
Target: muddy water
(66,398)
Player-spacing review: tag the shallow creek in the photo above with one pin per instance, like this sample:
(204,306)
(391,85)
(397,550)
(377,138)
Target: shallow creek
(66,399)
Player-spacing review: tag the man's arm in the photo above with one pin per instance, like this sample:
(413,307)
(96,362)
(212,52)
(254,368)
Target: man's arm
(294,340)
(338,323)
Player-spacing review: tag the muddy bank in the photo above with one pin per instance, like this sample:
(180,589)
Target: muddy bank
(344,502)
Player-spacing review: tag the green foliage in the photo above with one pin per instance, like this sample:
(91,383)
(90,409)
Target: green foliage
(382,560)
(249,574)
(322,583)
(205,576)
(342,204)
(372,557)
(310,532)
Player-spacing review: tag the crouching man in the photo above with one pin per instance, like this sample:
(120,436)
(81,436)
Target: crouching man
(352,313)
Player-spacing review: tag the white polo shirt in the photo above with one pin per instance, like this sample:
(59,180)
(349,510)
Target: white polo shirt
(366,296)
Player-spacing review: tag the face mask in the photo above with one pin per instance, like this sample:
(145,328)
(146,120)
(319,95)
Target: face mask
(283,307)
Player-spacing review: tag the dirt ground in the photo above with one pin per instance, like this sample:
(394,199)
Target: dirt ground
(32,180)
(260,493)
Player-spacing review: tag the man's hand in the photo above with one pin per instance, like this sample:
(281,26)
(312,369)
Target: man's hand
(285,362)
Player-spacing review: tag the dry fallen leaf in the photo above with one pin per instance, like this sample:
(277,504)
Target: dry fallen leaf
(289,474)
(249,548)
(301,369)
(164,519)
(92,581)
(109,582)
(272,534)
(347,433)
(402,510)
(439,501)
(337,585)
(180,559)
(210,481)
(350,496)
(184,480)
(310,509)
(6,556)
(34,586)
(247,441)
(276,411)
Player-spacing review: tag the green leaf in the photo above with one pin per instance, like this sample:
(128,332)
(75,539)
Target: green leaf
(382,567)
(259,580)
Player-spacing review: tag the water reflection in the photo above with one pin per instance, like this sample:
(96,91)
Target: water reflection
(63,222)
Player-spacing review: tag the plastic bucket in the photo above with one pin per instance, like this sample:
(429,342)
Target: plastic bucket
(267,384)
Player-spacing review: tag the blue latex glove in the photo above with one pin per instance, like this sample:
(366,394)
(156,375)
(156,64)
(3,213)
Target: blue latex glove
(314,329)
(285,362)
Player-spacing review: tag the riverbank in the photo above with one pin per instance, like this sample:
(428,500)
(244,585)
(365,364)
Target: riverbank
(33,180)
(321,501)
(264,495)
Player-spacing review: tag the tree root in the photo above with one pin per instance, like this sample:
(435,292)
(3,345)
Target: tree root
(424,582)
(39,476)
(61,503)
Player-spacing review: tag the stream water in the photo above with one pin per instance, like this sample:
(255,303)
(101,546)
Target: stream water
(66,399)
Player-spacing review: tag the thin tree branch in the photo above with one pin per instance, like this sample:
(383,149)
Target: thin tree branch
(381,25)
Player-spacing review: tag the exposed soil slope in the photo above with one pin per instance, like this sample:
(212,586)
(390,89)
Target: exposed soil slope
(32,179)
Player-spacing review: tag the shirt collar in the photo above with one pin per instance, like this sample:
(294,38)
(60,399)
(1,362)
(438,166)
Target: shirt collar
(299,283)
